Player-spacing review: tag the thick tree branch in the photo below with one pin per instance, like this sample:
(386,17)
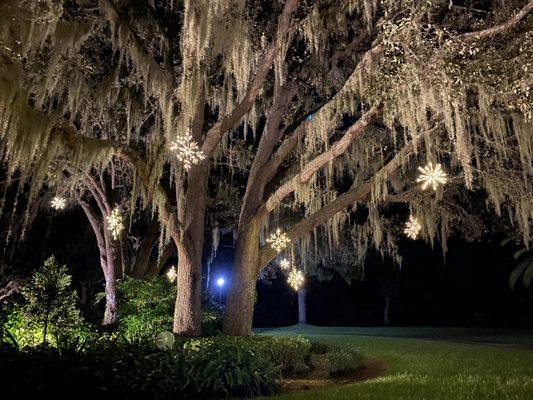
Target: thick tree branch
(215,134)
(354,194)
(72,139)
(337,149)
(496,30)
(256,182)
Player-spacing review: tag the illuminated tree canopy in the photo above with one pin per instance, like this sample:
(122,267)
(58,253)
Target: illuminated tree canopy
(253,116)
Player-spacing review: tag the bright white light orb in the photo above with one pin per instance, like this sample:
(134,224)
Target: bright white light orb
(432,176)
(220,282)
(412,227)
(186,150)
(278,240)
(58,203)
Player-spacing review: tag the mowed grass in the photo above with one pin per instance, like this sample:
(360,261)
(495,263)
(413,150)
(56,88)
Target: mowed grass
(433,368)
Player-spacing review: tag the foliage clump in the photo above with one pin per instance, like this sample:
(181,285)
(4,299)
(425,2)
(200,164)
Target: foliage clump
(48,313)
(146,308)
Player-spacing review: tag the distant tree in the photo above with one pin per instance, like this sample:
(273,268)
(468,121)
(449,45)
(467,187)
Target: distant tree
(49,302)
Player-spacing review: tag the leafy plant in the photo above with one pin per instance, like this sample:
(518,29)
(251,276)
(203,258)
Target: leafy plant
(289,353)
(146,308)
(343,362)
(319,347)
(114,367)
(226,366)
(48,312)
(524,268)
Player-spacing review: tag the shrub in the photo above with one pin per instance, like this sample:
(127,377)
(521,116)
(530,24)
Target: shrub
(194,368)
(319,348)
(146,308)
(226,366)
(343,362)
(291,354)
(48,312)
(112,369)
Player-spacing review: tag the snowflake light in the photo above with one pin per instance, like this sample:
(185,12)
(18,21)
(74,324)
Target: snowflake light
(172,274)
(114,223)
(412,228)
(58,203)
(295,279)
(285,264)
(187,151)
(432,176)
(278,240)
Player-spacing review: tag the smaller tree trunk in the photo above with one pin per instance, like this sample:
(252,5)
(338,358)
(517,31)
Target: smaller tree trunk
(302,314)
(110,313)
(141,262)
(46,317)
(386,310)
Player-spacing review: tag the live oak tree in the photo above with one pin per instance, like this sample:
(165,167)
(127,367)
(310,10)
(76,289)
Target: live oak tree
(276,105)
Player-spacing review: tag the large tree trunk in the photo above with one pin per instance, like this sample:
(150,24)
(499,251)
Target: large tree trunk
(188,309)
(302,315)
(241,296)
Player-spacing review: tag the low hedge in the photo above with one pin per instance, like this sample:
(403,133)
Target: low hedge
(218,367)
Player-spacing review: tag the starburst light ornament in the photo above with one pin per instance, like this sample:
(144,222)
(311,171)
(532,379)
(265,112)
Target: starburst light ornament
(432,176)
(186,150)
(412,227)
(295,279)
(114,223)
(172,274)
(278,240)
(58,203)
(285,264)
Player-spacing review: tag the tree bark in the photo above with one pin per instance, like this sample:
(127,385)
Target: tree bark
(241,295)
(107,263)
(188,310)
(302,314)
(110,313)
(141,263)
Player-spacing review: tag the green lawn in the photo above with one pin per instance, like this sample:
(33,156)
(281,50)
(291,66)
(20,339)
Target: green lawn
(429,363)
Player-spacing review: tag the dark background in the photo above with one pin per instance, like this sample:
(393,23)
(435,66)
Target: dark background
(468,288)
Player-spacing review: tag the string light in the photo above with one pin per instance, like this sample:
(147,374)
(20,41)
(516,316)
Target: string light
(285,264)
(114,223)
(295,279)
(278,240)
(172,274)
(187,151)
(412,227)
(432,176)
(58,203)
